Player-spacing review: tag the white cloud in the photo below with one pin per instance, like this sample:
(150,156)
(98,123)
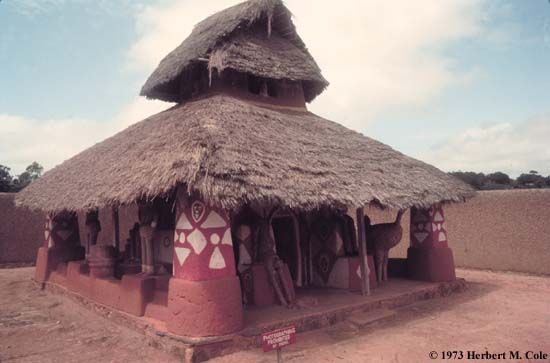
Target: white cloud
(378,55)
(23,140)
(50,142)
(510,148)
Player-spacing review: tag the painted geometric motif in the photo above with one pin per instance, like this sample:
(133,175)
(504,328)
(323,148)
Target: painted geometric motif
(48,240)
(428,227)
(203,248)
(61,231)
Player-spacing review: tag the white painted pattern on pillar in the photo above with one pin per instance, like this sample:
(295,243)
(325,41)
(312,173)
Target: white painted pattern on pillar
(339,245)
(214,238)
(442,237)
(421,236)
(217,262)
(182,253)
(438,217)
(434,227)
(358,272)
(182,237)
(197,240)
(46,235)
(183,223)
(214,220)
(227,240)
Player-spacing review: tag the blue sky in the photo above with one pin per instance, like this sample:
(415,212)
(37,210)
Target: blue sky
(460,84)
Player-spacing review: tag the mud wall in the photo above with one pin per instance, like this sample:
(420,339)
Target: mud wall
(498,230)
(21,231)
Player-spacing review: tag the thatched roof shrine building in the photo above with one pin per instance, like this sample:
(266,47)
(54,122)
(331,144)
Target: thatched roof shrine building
(239,144)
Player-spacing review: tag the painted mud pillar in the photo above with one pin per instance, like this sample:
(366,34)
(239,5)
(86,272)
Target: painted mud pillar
(429,257)
(204,297)
(61,244)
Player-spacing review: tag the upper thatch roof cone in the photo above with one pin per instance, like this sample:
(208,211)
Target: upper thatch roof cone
(233,153)
(223,41)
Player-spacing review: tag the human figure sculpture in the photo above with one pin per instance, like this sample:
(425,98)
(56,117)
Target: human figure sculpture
(380,239)
(267,255)
(93,227)
(148,219)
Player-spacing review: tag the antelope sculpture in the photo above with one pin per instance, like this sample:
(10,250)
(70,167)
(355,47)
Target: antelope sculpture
(380,239)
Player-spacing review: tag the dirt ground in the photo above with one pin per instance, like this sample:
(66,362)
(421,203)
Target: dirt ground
(499,312)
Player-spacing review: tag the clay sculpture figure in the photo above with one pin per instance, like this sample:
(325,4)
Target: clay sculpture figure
(267,255)
(93,227)
(148,219)
(380,239)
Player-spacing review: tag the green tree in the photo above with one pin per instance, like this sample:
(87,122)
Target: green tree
(6,179)
(531,180)
(499,178)
(476,180)
(31,173)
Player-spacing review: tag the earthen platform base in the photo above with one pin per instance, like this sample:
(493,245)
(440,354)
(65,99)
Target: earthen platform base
(326,307)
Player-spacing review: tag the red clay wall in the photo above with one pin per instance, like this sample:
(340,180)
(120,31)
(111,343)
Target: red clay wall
(21,231)
(498,230)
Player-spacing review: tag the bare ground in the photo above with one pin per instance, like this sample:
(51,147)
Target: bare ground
(499,312)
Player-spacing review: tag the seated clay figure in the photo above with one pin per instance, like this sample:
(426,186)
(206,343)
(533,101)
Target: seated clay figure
(267,255)
(148,219)
(93,227)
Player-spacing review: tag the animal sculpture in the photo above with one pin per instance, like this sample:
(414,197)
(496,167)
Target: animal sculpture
(380,239)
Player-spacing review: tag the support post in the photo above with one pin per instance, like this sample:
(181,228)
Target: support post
(204,294)
(116,229)
(429,257)
(362,242)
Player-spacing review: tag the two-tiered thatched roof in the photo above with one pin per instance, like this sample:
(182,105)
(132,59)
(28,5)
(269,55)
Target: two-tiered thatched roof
(235,152)
(219,42)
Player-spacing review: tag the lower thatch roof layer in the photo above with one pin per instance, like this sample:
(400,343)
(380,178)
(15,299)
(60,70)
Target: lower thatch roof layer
(233,153)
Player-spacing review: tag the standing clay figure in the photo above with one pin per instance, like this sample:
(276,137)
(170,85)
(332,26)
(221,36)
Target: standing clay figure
(274,266)
(93,227)
(148,219)
(380,239)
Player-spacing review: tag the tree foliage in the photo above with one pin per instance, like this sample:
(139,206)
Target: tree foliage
(11,184)
(500,180)
(5,179)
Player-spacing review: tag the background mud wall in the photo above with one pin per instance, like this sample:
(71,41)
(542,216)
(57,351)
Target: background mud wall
(21,232)
(498,230)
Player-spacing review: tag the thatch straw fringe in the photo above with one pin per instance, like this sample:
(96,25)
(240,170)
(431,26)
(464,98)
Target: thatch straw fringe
(273,57)
(234,153)
(164,82)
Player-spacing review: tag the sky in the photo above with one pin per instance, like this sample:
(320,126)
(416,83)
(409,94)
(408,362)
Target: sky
(461,84)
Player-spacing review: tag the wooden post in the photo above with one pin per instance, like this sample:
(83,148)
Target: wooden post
(116,229)
(362,242)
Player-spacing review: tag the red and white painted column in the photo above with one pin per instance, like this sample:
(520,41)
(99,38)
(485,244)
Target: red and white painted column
(204,296)
(61,244)
(429,256)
